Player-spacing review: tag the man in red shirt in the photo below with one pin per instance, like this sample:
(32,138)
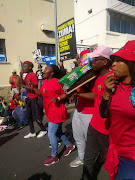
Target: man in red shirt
(12,82)
(97,136)
(33,110)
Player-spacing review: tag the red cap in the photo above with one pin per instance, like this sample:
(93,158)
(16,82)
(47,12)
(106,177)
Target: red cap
(28,62)
(17,94)
(127,52)
(85,52)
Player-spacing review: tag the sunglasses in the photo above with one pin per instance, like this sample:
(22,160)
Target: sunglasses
(95,59)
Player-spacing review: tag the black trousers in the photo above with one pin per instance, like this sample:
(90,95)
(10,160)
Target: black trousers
(34,112)
(96,149)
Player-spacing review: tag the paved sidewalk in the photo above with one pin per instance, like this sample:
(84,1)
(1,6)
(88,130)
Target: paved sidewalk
(22,159)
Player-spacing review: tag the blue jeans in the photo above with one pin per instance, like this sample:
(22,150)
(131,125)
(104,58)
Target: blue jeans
(16,118)
(54,131)
(20,118)
(126,169)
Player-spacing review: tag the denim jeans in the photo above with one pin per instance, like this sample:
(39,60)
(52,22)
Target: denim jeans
(54,131)
(16,118)
(126,169)
(19,114)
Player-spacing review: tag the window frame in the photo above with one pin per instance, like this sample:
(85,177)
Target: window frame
(46,49)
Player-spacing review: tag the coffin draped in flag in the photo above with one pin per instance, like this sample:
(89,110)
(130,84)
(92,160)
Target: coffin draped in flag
(76,78)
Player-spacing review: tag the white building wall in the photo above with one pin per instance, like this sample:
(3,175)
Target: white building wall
(89,27)
(22,20)
(94,28)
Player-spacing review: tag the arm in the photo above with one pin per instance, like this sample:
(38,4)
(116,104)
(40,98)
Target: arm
(90,95)
(24,86)
(58,99)
(10,80)
(110,83)
(37,91)
(104,108)
(3,104)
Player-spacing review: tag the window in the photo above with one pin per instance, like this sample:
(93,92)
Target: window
(2,46)
(46,49)
(133,28)
(115,25)
(121,23)
(130,2)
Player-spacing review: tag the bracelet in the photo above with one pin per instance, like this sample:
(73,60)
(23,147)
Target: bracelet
(58,98)
(106,95)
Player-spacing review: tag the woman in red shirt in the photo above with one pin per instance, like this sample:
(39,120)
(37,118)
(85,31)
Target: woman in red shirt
(56,112)
(118,104)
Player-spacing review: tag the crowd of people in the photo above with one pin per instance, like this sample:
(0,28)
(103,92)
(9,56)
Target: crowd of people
(103,122)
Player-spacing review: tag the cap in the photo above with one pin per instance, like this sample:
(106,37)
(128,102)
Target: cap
(28,62)
(127,52)
(84,52)
(17,94)
(103,51)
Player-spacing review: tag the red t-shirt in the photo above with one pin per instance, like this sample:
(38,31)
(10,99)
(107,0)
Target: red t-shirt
(122,128)
(31,77)
(97,122)
(122,116)
(52,89)
(84,105)
(13,81)
(12,104)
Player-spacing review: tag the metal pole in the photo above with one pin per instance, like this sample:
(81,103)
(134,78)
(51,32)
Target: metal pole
(56,33)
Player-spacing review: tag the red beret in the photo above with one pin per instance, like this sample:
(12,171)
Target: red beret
(17,94)
(28,62)
(127,52)
(85,52)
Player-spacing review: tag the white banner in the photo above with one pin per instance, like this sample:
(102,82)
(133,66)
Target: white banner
(37,56)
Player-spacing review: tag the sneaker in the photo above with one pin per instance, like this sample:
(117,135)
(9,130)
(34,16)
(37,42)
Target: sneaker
(20,127)
(41,134)
(1,120)
(30,135)
(59,144)
(77,162)
(51,160)
(69,149)
(10,126)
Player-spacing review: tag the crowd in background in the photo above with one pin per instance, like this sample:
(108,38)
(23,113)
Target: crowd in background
(103,122)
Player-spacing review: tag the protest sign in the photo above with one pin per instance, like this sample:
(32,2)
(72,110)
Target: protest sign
(67,40)
(74,76)
(37,56)
(49,59)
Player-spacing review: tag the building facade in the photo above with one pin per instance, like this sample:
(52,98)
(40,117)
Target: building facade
(26,26)
(104,22)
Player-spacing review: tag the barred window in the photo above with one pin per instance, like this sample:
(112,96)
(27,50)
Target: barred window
(46,49)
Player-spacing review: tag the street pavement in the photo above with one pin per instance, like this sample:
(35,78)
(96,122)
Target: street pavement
(22,159)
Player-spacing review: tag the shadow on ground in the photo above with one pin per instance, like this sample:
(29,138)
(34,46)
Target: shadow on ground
(4,140)
(39,176)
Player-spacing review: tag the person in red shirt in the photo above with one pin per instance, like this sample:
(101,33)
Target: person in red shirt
(33,110)
(118,104)
(12,81)
(97,135)
(55,110)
